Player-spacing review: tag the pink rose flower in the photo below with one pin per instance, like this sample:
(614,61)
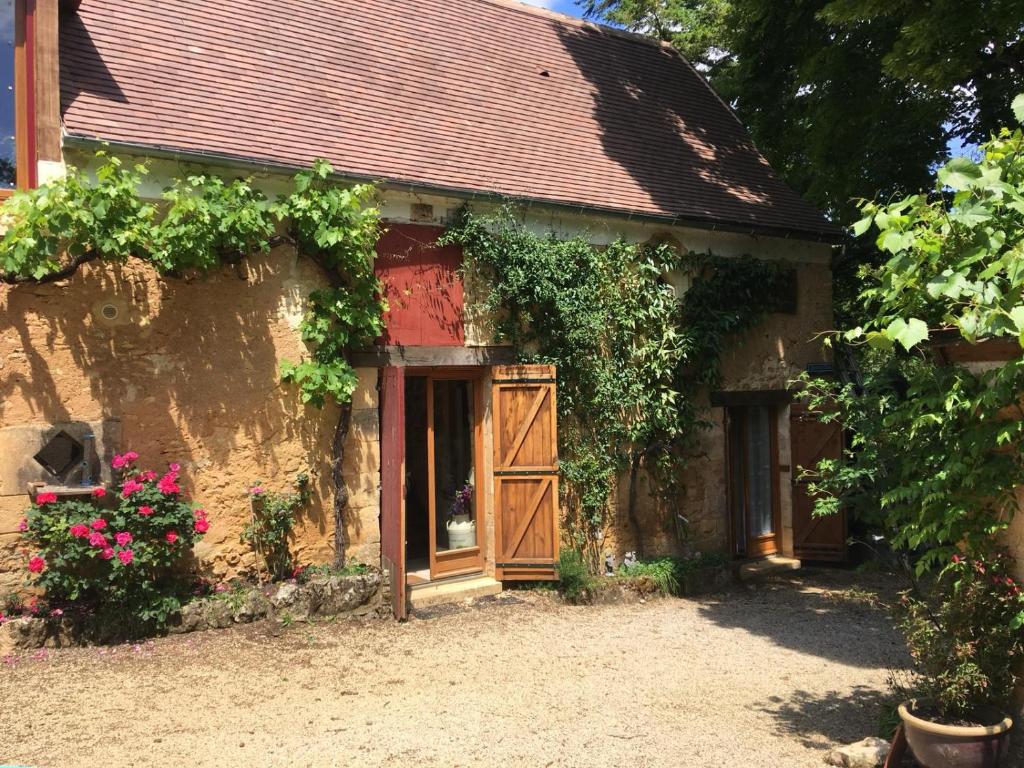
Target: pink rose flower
(57,613)
(202,525)
(168,484)
(43,499)
(99,493)
(148,476)
(257,490)
(171,536)
(36,564)
(122,538)
(200,514)
(80,530)
(118,462)
(97,539)
(128,487)
(145,511)
(125,556)
(107,553)
(175,468)
(23,525)
(130,456)
(98,524)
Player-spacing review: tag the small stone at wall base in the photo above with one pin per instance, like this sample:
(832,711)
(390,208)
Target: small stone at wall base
(869,753)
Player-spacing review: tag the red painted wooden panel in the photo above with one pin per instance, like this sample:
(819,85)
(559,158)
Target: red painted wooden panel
(392,483)
(422,287)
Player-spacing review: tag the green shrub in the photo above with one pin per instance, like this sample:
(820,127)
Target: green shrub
(668,574)
(967,640)
(123,563)
(273,517)
(575,578)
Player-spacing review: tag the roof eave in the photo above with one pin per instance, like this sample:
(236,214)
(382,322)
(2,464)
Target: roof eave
(828,234)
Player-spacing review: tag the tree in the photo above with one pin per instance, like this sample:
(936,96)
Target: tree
(848,98)
(954,259)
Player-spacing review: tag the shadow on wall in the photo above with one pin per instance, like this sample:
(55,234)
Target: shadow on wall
(689,139)
(190,367)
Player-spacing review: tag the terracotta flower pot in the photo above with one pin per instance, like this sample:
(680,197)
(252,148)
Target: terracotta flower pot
(953,746)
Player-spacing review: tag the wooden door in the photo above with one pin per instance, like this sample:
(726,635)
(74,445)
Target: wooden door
(447,560)
(525,472)
(392,484)
(814,538)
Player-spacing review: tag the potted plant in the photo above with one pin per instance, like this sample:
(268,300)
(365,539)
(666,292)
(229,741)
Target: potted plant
(966,642)
(461,526)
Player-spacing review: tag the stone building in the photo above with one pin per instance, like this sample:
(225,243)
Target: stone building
(440,104)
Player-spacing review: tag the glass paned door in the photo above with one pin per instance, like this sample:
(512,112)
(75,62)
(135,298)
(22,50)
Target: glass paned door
(753,494)
(453,451)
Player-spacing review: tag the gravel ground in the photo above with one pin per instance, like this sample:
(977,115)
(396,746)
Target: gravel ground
(766,677)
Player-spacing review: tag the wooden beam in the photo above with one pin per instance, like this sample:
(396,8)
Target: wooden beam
(46,63)
(739,398)
(423,357)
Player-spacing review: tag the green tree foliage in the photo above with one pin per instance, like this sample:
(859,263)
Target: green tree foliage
(632,359)
(937,449)
(848,98)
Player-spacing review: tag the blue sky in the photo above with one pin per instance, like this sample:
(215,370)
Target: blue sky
(562,6)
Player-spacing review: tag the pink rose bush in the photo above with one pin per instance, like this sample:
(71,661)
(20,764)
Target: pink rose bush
(122,554)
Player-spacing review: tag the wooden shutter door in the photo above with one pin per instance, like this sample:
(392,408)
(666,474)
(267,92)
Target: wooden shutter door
(814,538)
(525,472)
(392,483)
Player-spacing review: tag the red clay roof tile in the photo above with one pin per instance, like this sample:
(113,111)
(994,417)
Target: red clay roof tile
(484,96)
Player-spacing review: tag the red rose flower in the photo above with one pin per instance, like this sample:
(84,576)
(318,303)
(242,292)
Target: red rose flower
(98,524)
(171,536)
(108,553)
(36,564)
(145,511)
(80,530)
(99,493)
(43,499)
(125,556)
(202,525)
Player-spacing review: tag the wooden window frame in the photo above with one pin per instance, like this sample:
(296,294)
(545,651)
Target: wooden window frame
(470,560)
(762,547)
(24,96)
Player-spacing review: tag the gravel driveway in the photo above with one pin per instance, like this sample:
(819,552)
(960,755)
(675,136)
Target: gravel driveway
(765,677)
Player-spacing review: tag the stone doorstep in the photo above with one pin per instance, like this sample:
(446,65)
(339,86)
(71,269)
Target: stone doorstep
(755,570)
(453,590)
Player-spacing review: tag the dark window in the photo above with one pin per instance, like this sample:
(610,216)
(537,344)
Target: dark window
(8,103)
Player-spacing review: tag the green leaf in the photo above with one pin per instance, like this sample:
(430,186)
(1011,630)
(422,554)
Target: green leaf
(1018,108)
(907,333)
(959,173)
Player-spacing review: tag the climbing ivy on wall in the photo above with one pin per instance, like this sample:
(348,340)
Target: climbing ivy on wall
(634,362)
(203,222)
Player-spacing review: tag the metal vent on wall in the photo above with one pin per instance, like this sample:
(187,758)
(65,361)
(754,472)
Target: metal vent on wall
(61,454)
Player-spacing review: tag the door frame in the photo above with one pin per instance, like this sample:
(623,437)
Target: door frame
(470,560)
(757,546)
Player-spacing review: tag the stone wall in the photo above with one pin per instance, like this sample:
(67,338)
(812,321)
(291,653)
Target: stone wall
(767,357)
(186,371)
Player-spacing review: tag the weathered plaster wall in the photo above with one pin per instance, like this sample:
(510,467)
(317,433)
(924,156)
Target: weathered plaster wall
(768,357)
(189,372)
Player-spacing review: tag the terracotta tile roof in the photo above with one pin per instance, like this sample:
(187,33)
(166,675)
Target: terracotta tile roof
(484,96)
